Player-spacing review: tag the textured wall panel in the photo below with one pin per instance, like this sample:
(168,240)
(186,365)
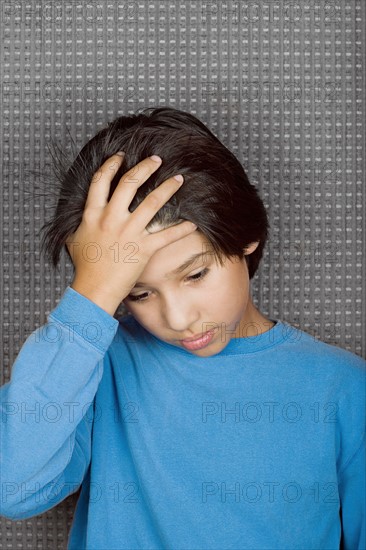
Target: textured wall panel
(281,83)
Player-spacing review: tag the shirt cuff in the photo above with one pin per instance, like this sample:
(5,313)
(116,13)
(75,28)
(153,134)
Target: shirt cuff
(85,318)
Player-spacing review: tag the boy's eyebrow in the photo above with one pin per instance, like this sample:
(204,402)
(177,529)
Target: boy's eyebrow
(181,268)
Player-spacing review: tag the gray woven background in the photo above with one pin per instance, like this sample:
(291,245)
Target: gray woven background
(281,83)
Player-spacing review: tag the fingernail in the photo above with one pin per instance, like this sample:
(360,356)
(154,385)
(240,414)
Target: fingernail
(121,153)
(156,158)
(179,178)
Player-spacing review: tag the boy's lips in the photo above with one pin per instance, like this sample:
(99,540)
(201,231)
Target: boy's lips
(198,343)
(197,337)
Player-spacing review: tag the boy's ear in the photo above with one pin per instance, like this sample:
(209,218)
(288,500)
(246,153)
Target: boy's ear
(250,248)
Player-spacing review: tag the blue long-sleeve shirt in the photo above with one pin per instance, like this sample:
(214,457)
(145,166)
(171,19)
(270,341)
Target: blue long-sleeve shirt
(261,446)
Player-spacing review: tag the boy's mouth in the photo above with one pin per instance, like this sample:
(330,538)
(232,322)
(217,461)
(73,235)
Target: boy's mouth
(197,342)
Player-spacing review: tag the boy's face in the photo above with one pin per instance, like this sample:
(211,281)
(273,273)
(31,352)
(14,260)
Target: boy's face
(175,306)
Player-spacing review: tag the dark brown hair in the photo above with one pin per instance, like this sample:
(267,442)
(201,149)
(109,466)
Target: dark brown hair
(216,194)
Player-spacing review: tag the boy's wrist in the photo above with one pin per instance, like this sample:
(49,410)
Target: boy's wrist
(104,301)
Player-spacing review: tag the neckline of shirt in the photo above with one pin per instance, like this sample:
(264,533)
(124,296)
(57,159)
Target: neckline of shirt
(276,335)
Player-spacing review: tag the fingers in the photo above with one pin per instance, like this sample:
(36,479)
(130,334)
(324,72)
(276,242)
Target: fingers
(101,182)
(126,190)
(162,238)
(129,183)
(154,201)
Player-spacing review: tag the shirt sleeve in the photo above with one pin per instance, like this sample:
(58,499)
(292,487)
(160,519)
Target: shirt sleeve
(352,490)
(46,409)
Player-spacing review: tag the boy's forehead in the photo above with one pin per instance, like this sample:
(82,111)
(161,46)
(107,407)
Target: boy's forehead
(170,257)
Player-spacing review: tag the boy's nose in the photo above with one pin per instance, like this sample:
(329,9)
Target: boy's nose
(179,314)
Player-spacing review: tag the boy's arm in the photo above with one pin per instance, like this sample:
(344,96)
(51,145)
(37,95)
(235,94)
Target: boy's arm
(352,491)
(46,409)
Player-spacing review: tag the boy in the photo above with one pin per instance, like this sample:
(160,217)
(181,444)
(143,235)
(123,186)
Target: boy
(194,421)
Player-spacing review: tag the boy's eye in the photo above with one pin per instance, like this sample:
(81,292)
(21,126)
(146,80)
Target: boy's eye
(194,278)
(198,276)
(137,298)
